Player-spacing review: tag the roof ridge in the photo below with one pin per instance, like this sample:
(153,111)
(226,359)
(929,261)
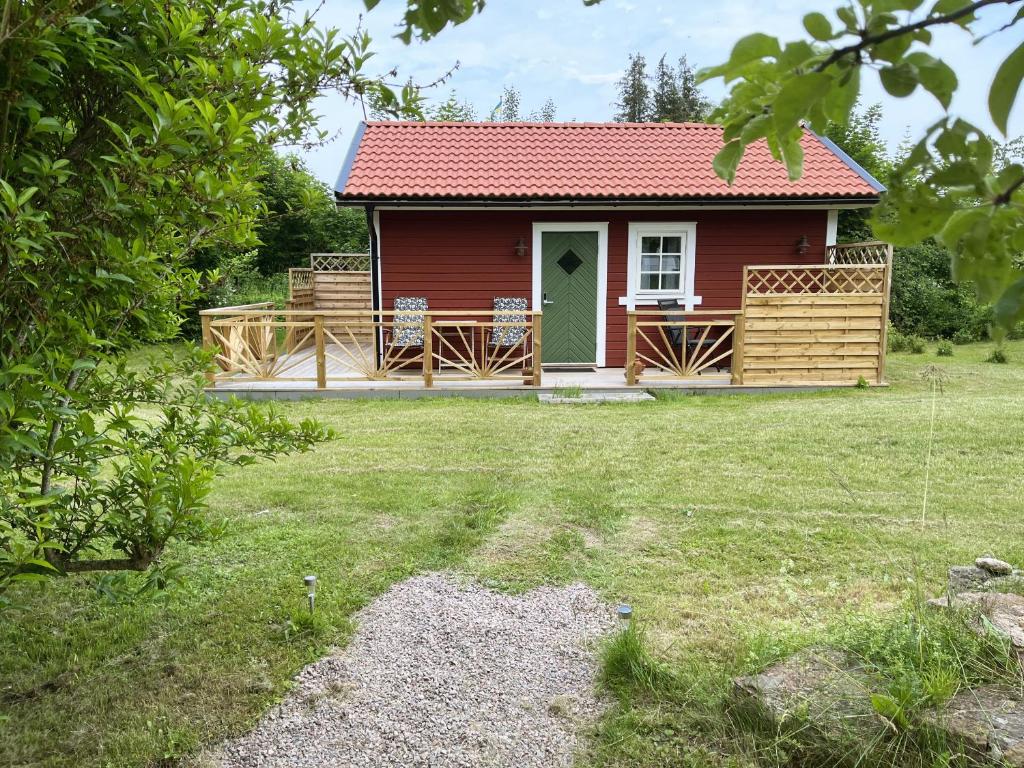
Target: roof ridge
(531,124)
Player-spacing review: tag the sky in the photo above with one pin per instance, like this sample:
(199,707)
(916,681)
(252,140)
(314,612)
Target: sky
(573,54)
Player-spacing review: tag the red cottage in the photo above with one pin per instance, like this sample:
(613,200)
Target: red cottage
(508,250)
(463,212)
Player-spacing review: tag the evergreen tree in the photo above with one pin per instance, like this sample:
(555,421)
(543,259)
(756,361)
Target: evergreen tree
(634,104)
(693,105)
(666,101)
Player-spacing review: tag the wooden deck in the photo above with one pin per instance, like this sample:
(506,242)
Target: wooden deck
(798,326)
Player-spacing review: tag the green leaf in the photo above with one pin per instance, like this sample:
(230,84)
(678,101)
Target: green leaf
(726,161)
(796,97)
(1009,309)
(899,80)
(1005,86)
(937,77)
(818,26)
(753,47)
(842,97)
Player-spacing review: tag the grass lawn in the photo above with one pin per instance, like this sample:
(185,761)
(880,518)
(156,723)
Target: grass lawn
(737,527)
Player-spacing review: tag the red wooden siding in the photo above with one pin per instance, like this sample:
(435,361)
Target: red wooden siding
(463,259)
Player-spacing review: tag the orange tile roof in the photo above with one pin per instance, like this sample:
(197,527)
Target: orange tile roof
(559,161)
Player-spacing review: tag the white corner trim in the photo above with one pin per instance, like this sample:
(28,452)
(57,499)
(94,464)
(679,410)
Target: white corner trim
(685,295)
(832,227)
(536,253)
(380,282)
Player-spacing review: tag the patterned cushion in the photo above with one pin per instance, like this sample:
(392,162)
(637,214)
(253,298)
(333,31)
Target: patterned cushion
(508,309)
(408,329)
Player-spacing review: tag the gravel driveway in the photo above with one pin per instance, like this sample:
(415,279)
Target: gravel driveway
(442,673)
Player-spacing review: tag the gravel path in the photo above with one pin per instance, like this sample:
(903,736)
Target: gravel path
(442,674)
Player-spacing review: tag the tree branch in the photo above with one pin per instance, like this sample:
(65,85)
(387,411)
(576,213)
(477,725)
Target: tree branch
(867,40)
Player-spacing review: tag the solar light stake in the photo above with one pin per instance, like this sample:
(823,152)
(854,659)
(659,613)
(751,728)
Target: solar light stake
(310,582)
(625,616)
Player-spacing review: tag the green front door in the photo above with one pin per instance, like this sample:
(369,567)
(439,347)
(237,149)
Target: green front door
(569,286)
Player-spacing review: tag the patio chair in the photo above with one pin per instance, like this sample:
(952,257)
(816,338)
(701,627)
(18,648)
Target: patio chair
(407,330)
(509,309)
(675,332)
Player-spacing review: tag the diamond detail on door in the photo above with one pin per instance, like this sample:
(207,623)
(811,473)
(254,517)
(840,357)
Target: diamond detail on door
(570,262)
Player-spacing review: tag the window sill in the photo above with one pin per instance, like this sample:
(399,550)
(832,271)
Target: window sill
(651,300)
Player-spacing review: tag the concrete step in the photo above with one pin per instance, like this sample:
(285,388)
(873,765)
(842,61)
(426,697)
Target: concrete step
(589,398)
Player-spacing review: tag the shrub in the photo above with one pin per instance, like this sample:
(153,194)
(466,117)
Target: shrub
(916,344)
(945,348)
(862,383)
(897,340)
(926,301)
(998,355)
(965,336)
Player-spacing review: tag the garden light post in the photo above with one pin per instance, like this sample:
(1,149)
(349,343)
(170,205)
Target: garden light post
(310,582)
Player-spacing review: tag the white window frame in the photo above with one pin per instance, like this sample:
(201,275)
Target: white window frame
(635,297)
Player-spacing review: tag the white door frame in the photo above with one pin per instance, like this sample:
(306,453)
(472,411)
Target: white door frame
(601,228)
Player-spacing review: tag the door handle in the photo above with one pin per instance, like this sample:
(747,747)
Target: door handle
(545,301)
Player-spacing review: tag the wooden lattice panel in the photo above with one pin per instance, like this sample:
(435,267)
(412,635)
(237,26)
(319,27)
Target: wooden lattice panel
(830,279)
(859,253)
(339,262)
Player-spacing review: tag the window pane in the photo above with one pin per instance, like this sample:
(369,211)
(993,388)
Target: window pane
(649,263)
(650,244)
(671,263)
(670,282)
(648,282)
(671,245)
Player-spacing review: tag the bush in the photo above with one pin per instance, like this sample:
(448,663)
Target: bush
(897,341)
(965,336)
(998,355)
(945,348)
(926,301)
(916,344)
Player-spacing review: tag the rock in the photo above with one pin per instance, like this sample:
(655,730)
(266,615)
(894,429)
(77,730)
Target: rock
(987,722)
(994,566)
(818,693)
(966,578)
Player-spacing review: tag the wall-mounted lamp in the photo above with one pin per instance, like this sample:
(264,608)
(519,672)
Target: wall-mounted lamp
(520,248)
(802,245)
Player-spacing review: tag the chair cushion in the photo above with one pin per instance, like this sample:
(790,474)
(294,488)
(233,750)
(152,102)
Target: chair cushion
(508,309)
(408,329)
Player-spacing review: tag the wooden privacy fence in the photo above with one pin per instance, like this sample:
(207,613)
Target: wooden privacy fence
(259,343)
(818,324)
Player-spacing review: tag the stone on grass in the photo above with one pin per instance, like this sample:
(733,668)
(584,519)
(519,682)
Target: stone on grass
(446,675)
(967,578)
(994,566)
(987,723)
(819,692)
(1004,610)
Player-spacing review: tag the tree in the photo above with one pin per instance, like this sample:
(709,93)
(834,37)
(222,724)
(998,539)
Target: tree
(861,139)
(452,110)
(950,185)
(634,104)
(694,106)
(130,138)
(508,111)
(666,101)
(301,217)
(676,97)
(546,113)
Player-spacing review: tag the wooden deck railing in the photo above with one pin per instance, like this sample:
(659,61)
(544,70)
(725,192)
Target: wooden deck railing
(259,343)
(676,344)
